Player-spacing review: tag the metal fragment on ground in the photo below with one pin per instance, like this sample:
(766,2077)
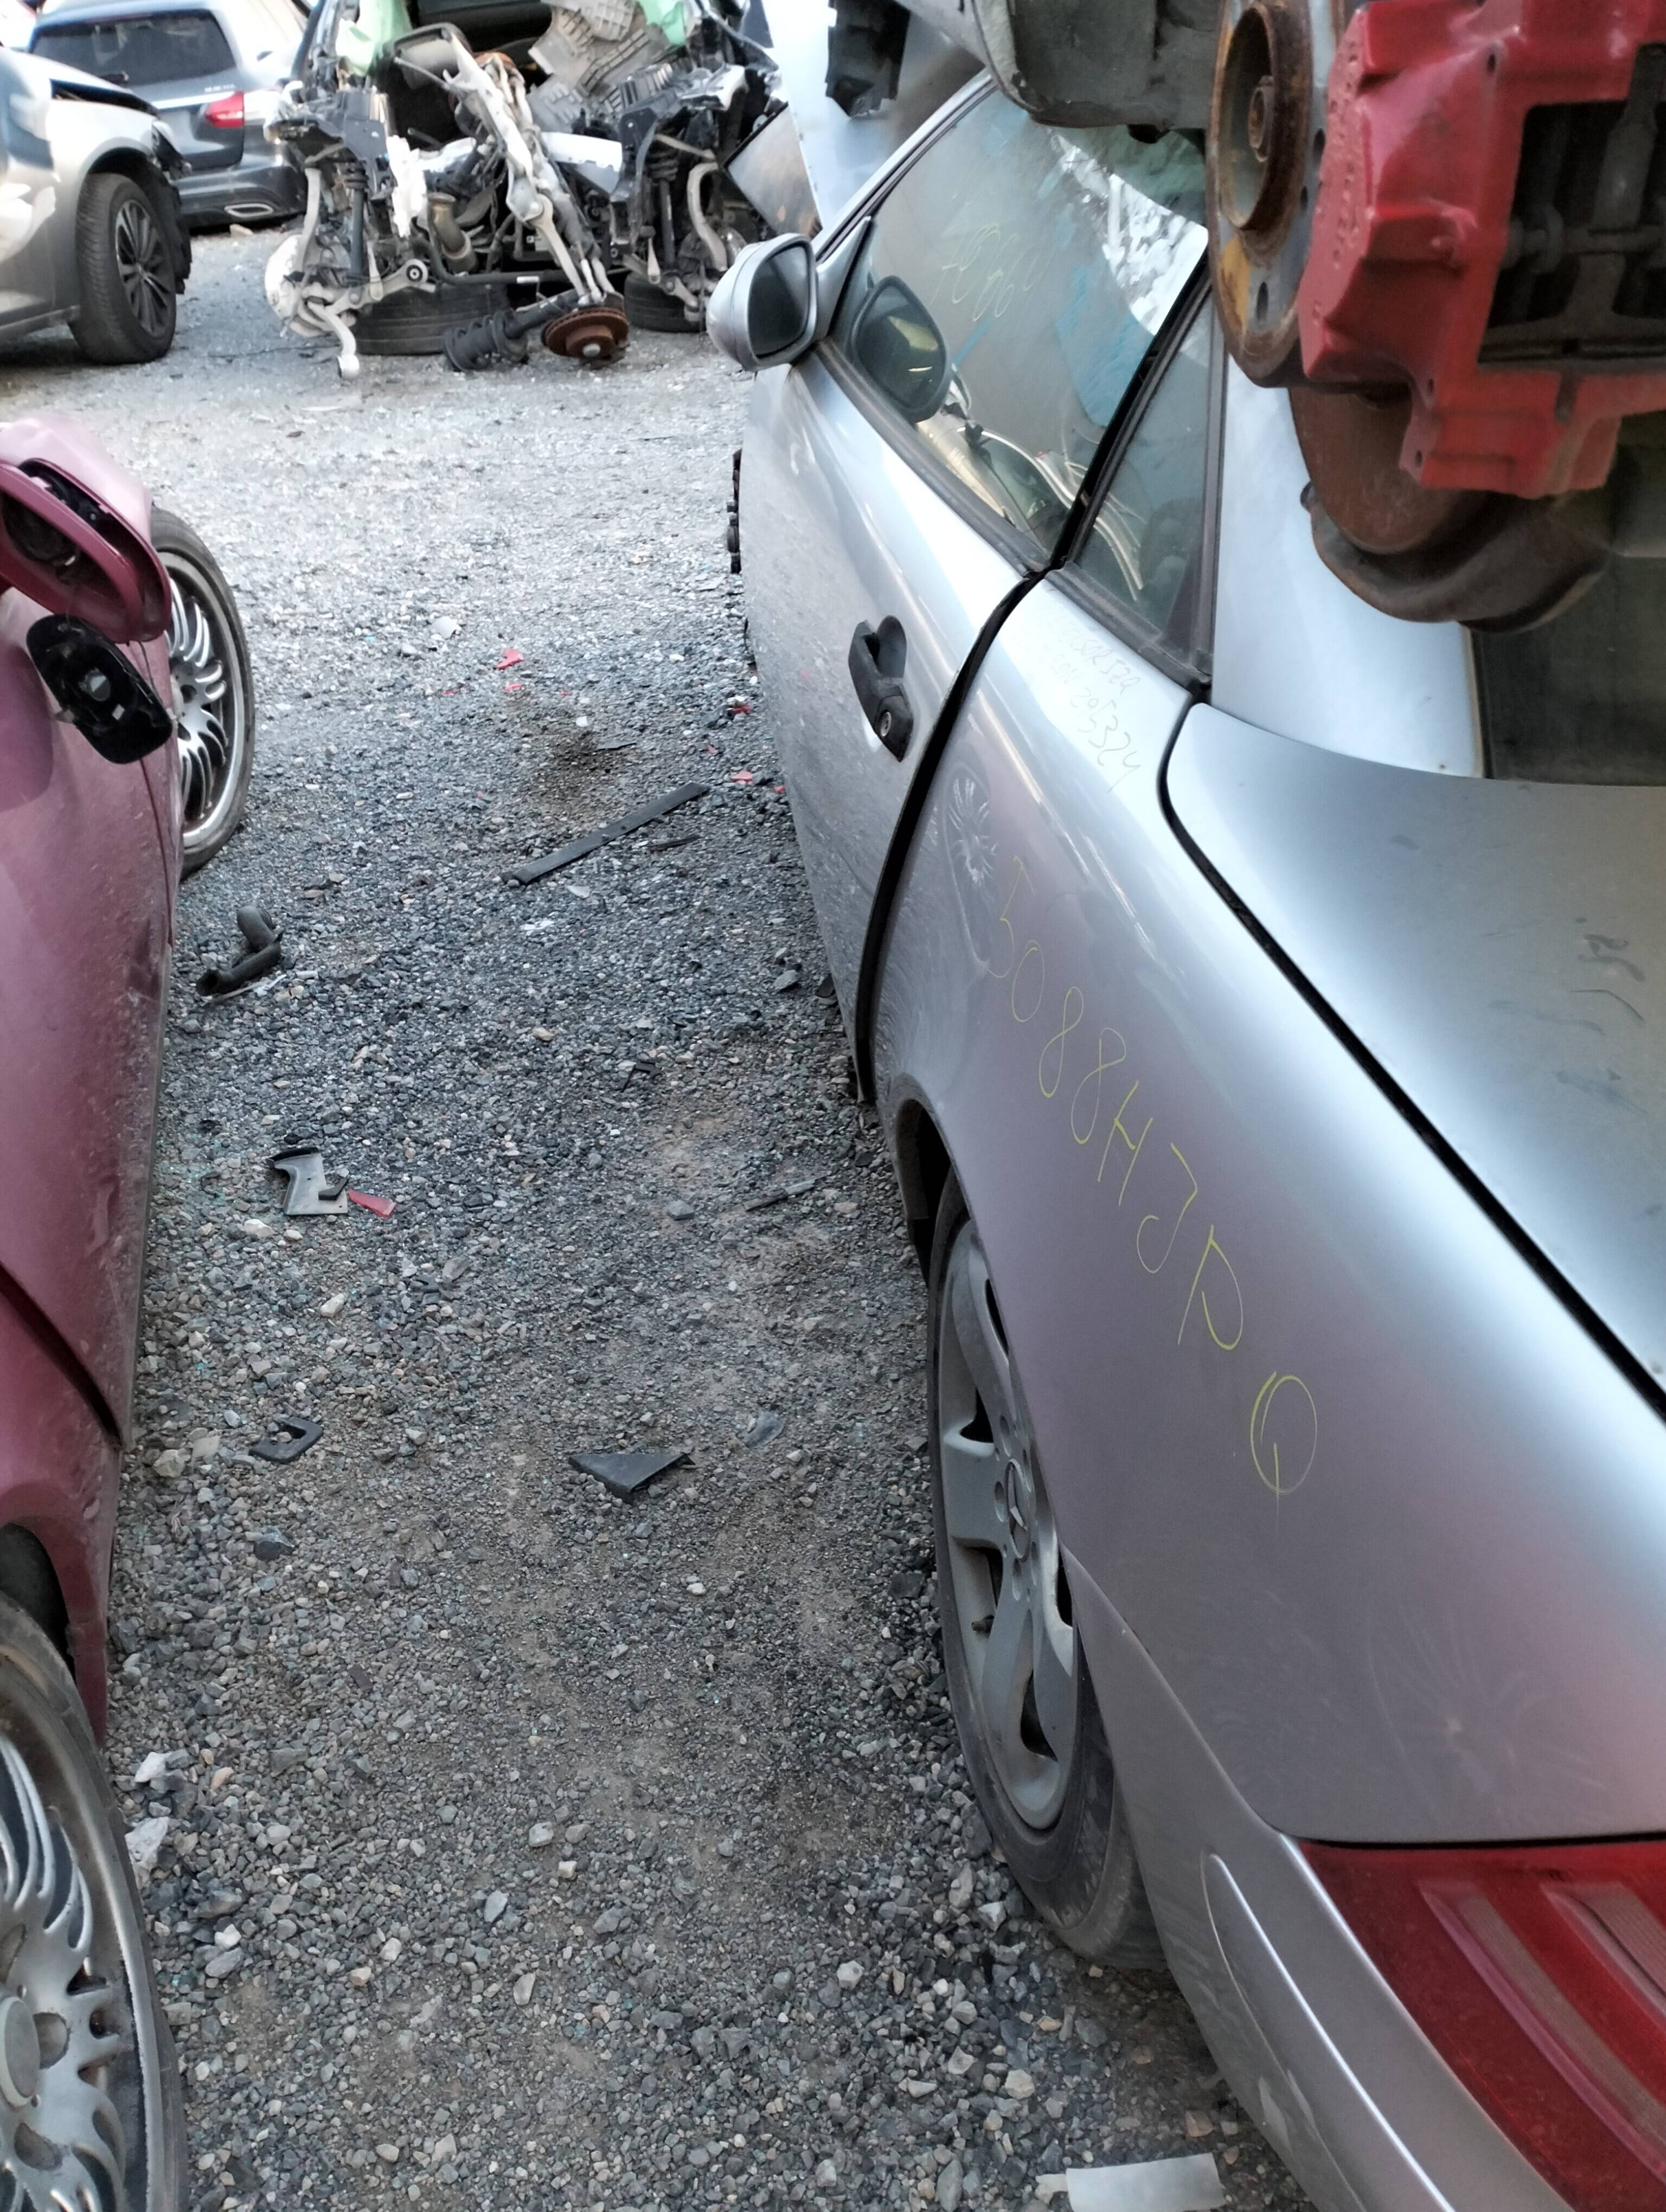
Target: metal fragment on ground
(624,1471)
(1162,2185)
(311,1191)
(291,1435)
(534,872)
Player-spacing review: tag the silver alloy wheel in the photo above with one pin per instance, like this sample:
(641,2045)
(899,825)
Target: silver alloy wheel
(1010,1599)
(142,263)
(63,2029)
(211,706)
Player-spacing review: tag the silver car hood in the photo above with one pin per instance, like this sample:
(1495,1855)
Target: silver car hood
(1499,950)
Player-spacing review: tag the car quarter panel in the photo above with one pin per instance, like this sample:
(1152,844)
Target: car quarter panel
(1385,1518)
(84,919)
(1317,2047)
(830,509)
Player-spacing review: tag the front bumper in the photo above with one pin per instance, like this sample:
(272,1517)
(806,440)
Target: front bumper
(260,187)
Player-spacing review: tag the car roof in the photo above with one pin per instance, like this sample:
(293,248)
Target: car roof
(106,11)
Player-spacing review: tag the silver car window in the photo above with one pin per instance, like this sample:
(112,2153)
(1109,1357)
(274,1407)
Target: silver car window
(1012,283)
(1582,698)
(1145,548)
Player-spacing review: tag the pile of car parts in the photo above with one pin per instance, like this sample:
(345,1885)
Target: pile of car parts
(513,170)
(1442,223)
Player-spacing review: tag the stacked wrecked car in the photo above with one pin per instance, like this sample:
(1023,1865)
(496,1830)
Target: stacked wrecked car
(513,172)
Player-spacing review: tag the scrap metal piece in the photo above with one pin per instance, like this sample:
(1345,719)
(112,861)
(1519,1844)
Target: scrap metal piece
(534,872)
(311,1191)
(627,1471)
(1157,2185)
(265,940)
(292,1434)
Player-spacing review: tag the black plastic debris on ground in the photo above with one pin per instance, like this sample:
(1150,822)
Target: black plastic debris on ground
(263,940)
(532,871)
(292,1434)
(311,1191)
(624,1471)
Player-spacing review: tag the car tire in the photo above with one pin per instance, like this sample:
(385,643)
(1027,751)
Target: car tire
(106,2125)
(214,689)
(651,309)
(1056,1809)
(128,302)
(415,322)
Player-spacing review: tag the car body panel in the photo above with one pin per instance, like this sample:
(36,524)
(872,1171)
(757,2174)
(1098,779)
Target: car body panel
(1318,2049)
(1377,1506)
(832,507)
(88,855)
(1294,649)
(1498,948)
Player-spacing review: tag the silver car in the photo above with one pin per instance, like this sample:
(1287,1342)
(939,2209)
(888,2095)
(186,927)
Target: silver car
(1257,993)
(91,231)
(212,72)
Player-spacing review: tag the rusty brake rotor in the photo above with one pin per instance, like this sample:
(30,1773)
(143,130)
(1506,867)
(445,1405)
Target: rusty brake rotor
(597,333)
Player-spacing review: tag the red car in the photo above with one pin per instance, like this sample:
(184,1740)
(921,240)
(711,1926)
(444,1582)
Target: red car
(125,742)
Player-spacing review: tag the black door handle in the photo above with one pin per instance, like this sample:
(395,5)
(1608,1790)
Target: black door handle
(878,658)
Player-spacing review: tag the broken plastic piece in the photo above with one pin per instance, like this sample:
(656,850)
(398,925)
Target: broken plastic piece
(265,940)
(99,690)
(512,659)
(292,1434)
(382,1207)
(624,1471)
(311,1191)
(534,870)
(1160,2185)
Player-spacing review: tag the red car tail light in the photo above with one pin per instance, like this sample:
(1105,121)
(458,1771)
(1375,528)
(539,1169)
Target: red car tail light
(1539,1974)
(225,114)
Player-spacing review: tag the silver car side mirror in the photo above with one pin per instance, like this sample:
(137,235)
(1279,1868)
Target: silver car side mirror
(764,314)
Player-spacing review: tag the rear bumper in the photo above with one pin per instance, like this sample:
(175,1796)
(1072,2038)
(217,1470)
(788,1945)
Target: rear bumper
(262,187)
(1319,2050)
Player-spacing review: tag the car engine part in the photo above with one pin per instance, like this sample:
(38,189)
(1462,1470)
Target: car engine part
(567,163)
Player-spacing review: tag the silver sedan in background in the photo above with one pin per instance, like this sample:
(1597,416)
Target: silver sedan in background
(1258,995)
(91,230)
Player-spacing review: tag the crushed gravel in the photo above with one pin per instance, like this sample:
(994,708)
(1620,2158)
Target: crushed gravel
(524,1846)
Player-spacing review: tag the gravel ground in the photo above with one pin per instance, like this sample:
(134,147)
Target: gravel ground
(526,1847)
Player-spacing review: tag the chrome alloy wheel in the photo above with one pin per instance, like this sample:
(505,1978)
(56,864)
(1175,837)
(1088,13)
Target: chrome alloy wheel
(142,262)
(1011,1601)
(64,2030)
(211,706)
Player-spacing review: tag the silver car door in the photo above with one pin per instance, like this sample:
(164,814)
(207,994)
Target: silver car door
(903,481)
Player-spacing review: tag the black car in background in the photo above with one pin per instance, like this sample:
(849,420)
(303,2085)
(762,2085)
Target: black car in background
(211,69)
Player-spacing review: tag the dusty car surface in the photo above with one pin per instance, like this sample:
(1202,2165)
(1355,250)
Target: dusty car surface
(1258,993)
(489,173)
(211,69)
(103,595)
(92,233)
